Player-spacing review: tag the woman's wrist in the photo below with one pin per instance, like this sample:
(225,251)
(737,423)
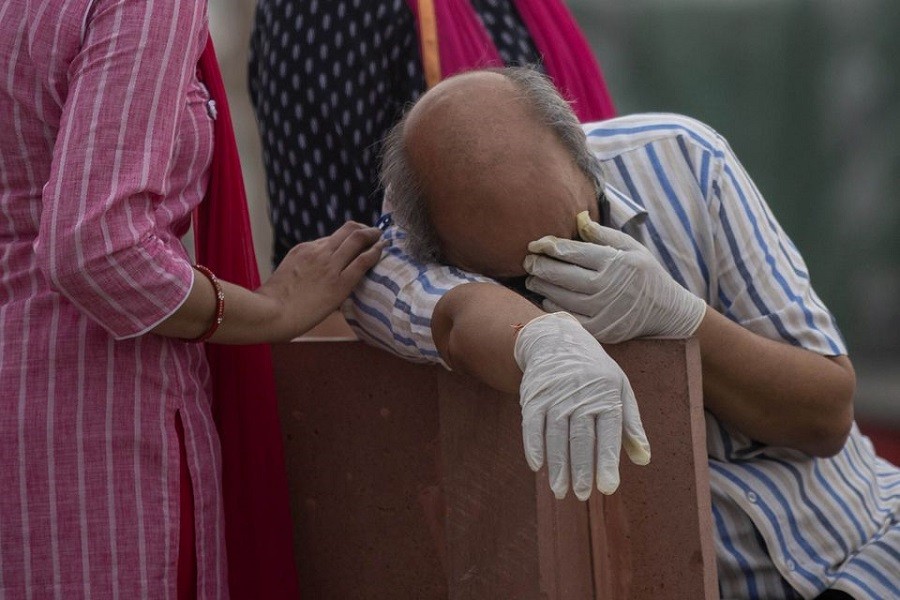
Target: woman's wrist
(250,318)
(271,317)
(219,312)
(253,318)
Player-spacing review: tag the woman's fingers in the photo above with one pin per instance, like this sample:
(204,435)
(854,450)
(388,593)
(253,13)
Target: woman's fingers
(355,243)
(336,239)
(363,262)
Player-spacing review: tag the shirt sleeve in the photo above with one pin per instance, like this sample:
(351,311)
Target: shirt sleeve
(98,242)
(763,282)
(392,306)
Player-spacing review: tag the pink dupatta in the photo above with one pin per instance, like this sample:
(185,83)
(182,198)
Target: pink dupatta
(465,44)
(258,528)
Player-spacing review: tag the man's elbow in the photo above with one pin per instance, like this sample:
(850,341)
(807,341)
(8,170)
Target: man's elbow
(829,439)
(833,424)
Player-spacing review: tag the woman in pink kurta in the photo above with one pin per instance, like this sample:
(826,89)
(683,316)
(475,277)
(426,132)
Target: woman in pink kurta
(105,142)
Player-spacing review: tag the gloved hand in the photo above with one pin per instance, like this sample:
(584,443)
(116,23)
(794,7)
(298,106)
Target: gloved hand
(612,285)
(577,398)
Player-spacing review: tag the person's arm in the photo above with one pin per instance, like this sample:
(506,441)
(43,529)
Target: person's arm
(475,329)
(769,390)
(773,392)
(775,371)
(776,367)
(98,242)
(578,407)
(308,285)
(393,306)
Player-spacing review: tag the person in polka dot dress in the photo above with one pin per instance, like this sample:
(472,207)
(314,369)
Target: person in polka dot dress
(328,78)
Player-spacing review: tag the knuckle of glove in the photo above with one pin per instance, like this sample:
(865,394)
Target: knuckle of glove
(609,381)
(539,267)
(633,260)
(582,429)
(597,281)
(559,413)
(646,261)
(532,407)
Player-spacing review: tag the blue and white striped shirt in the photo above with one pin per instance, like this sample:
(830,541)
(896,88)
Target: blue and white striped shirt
(787,525)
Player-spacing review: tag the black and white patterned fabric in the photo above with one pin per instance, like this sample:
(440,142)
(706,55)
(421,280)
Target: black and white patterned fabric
(328,78)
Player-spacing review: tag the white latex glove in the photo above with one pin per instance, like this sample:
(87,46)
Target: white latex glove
(612,285)
(577,398)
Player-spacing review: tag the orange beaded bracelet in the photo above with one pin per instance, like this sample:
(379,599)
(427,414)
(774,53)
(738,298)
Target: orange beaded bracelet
(220,306)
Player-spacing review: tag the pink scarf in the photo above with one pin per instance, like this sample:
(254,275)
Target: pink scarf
(258,528)
(465,44)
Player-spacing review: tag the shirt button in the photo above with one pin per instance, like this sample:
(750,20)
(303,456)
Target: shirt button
(751,496)
(790,565)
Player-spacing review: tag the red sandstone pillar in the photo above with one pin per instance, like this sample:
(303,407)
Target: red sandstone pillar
(410,482)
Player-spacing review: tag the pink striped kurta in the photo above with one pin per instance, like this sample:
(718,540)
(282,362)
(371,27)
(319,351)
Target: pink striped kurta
(105,142)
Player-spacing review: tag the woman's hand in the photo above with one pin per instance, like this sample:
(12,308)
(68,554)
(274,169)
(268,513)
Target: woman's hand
(310,283)
(315,277)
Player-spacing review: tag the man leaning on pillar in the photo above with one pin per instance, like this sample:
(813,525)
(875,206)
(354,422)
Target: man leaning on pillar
(485,176)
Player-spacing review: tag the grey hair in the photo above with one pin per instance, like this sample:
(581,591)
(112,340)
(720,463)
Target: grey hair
(404,188)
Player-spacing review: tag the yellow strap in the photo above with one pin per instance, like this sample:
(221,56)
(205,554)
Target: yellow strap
(431,55)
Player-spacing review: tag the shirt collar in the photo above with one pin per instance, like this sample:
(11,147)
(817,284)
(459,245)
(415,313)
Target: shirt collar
(618,208)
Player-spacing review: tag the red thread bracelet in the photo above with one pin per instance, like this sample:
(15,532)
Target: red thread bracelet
(220,306)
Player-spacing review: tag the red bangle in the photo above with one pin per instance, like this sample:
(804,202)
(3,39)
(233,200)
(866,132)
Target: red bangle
(220,306)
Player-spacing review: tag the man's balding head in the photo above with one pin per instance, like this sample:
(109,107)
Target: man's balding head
(484,163)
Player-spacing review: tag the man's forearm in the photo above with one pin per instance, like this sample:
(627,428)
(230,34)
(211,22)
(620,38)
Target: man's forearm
(474,327)
(773,392)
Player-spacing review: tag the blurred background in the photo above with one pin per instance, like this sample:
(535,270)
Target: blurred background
(806,91)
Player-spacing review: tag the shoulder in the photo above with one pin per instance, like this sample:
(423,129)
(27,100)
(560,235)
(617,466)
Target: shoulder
(623,134)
